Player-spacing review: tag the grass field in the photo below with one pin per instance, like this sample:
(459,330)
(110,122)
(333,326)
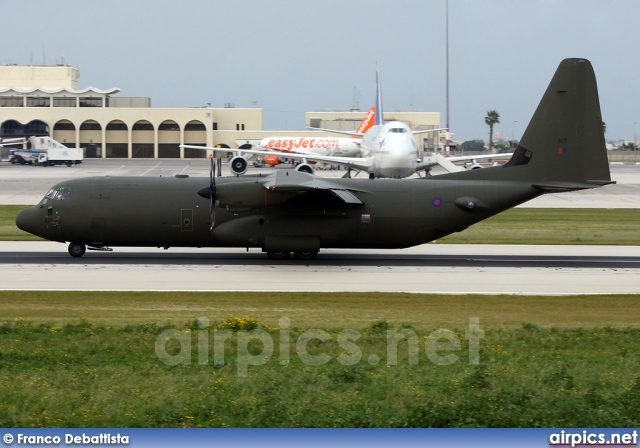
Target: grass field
(555,226)
(515,226)
(91,359)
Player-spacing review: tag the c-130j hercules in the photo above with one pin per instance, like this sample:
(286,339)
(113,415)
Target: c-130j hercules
(562,149)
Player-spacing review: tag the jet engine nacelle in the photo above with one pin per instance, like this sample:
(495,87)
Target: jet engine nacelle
(305,168)
(272,160)
(238,165)
(474,166)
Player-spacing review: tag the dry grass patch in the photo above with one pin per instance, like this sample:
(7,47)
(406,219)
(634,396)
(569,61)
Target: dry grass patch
(323,310)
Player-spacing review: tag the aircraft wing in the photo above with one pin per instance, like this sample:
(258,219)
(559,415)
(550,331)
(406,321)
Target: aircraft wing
(351,133)
(502,155)
(424,131)
(356,163)
(358,134)
(295,181)
(447,162)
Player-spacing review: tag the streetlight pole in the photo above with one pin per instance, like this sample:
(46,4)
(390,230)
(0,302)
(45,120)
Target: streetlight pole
(635,145)
(447,145)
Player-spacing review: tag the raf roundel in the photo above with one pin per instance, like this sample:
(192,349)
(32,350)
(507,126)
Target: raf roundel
(436,202)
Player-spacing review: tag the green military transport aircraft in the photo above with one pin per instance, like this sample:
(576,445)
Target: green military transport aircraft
(562,149)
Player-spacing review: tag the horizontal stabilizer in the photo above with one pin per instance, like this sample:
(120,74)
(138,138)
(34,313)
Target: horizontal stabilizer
(571,186)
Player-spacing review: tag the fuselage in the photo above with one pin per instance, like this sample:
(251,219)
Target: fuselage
(324,146)
(139,211)
(392,150)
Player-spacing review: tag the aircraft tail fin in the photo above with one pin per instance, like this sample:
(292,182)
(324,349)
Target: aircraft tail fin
(367,121)
(563,147)
(379,121)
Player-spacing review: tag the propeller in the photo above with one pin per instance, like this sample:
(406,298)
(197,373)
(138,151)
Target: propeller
(210,192)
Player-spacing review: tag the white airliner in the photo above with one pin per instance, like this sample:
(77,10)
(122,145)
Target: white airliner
(386,150)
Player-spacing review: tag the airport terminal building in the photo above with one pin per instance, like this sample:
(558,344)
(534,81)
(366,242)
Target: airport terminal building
(46,101)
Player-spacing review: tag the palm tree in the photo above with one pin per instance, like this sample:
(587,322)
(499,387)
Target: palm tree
(492,118)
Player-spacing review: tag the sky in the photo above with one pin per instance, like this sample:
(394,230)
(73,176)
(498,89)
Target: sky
(289,57)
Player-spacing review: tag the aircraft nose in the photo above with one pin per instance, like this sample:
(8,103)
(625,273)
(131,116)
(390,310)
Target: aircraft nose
(32,220)
(26,219)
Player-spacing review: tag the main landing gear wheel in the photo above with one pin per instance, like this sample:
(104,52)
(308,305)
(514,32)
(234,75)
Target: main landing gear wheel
(77,250)
(278,255)
(306,255)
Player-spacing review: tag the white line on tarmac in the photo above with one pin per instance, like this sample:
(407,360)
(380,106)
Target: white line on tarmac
(151,169)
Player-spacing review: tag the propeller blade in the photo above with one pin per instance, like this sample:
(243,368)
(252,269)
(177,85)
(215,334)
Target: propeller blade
(212,194)
(210,191)
(212,174)
(212,211)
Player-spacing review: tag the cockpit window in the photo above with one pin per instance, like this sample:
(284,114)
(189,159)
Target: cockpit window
(58,193)
(398,130)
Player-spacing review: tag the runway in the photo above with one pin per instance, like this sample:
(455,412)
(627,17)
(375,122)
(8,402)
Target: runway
(430,268)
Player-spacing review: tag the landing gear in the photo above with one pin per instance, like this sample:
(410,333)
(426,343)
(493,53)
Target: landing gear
(278,255)
(306,255)
(299,255)
(77,250)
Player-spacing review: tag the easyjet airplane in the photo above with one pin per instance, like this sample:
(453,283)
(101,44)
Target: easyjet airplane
(322,146)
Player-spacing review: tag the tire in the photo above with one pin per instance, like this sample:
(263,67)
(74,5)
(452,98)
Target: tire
(277,255)
(77,250)
(69,163)
(306,255)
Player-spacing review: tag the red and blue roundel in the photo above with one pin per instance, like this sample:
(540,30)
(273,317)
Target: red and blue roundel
(437,202)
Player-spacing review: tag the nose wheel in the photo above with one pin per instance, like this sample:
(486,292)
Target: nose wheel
(77,250)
